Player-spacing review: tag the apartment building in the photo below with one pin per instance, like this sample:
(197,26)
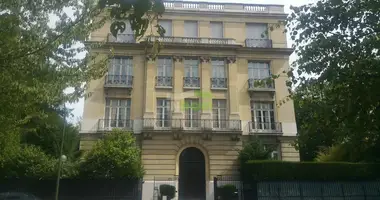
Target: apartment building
(193,106)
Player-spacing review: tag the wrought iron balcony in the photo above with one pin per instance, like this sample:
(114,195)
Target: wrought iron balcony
(125,81)
(264,84)
(219,83)
(193,40)
(258,43)
(109,124)
(164,81)
(191,82)
(191,124)
(265,128)
(121,38)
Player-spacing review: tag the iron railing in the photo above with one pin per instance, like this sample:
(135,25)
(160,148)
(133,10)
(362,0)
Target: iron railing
(164,81)
(192,40)
(121,38)
(192,124)
(109,124)
(219,83)
(255,84)
(258,43)
(191,82)
(265,127)
(119,80)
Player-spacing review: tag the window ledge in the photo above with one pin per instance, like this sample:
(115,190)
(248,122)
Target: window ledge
(191,88)
(164,87)
(213,88)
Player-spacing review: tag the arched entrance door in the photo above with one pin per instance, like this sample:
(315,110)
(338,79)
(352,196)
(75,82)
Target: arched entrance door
(192,175)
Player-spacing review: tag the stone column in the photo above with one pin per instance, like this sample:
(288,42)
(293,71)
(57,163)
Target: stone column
(205,94)
(150,91)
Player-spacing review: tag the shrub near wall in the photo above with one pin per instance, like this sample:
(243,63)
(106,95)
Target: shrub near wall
(308,171)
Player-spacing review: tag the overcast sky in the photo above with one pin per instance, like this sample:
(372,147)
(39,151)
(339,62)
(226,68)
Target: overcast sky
(78,107)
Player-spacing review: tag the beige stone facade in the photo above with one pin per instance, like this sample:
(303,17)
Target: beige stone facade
(199,92)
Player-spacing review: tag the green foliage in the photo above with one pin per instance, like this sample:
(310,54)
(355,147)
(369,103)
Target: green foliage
(227,192)
(28,162)
(254,150)
(334,153)
(46,133)
(336,44)
(167,190)
(307,171)
(115,156)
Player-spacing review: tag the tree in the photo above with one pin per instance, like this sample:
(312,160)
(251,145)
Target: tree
(115,156)
(46,133)
(254,149)
(337,44)
(39,61)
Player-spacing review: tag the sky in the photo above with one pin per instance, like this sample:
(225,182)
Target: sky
(78,106)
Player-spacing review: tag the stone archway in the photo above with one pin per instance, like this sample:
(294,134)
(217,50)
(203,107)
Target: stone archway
(192,174)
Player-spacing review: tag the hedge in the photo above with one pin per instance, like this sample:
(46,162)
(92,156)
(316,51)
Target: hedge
(308,171)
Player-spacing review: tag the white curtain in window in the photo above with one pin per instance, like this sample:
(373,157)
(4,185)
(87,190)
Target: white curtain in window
(164,67)
(191,67)
(218,69)
(191,29)
(167,25)
(258,70)
(256,31)
(216,29)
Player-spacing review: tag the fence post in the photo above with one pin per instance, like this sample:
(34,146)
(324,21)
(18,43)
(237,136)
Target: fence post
(215,188)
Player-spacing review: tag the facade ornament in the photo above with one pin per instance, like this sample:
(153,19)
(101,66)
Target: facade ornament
(231,60)
(150,57)
(178,58)
(204,59)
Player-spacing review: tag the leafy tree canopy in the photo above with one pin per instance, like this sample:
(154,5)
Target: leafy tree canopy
(337,44)
(115,156)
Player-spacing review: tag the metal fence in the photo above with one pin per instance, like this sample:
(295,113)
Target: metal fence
(295,190)
(76,189)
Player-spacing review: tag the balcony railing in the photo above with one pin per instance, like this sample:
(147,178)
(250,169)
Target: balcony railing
(193,40)
(255,84)
(218,83)
(265,127)
(122,38)
(109,124)
(258,43)
(118,81)
(191,82)
(192,124)
(164,81)
(223,7)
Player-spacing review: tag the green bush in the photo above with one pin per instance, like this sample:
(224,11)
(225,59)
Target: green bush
(167,190)
(227,192)
(115,156)
(254,150)
(329,171)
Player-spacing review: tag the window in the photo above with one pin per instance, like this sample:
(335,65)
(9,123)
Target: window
(258,70)
(191,29)
(167,25)
(163,113)
(192,113)
(120,71)
(219,113)
(274,149)
(118,113)
(191,67)
(164,67)
(218,79)
(216,29)
(218,68)
(164,72)
(256,31)
(127,35)
(262,114)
